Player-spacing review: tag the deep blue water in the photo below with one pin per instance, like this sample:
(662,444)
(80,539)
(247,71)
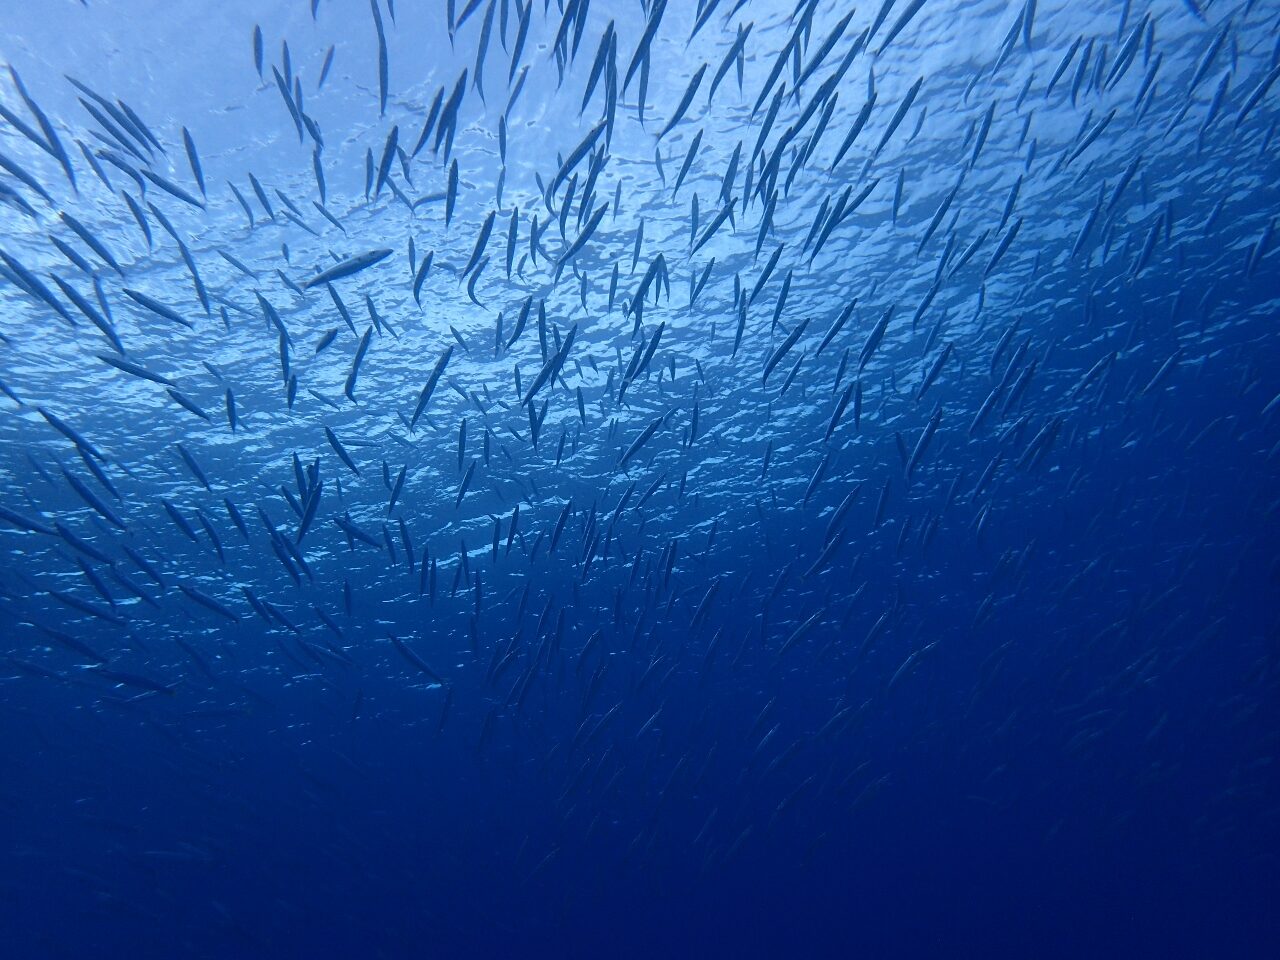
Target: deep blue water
(859,541)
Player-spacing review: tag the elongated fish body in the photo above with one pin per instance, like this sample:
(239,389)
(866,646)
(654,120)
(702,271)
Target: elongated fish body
(347,267)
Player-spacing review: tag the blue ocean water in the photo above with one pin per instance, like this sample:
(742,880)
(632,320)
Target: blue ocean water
(588,479)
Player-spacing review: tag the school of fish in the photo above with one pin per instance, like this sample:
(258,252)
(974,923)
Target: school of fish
(633,441)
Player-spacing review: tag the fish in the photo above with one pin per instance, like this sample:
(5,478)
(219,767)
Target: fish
(156,307)
(425,396)
(406,652)
(194,159)
(898,115)
(341,451)
(346,268)
(361,350)
(874,338)
(383,68)
(909,13)
(645,435)
(776,357)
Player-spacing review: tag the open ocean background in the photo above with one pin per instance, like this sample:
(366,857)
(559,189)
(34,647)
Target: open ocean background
(840,519)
